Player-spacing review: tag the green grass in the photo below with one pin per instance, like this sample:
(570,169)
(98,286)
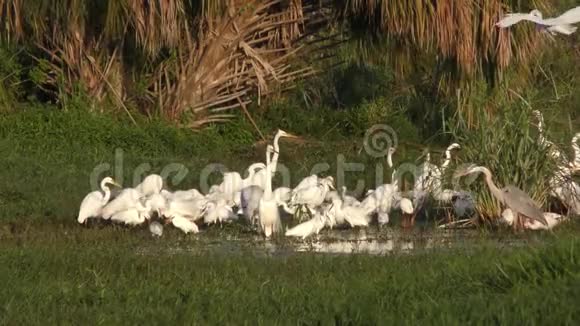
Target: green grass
(57,272)
(107,276)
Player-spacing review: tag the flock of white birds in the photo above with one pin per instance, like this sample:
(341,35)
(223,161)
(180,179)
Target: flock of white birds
(253,198)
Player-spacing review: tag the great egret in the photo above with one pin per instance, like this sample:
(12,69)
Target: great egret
(152,184)
(576,148)
(515,199)
(425,182)
(218,211)
(340,212)
(386,197)
(268,214)
(440,194)
(305,229)
(156,229)
(349,200)
(553,150)
(132,216)
(561,24)
(192,209)
(184,224)
(390,153)
(312,197)
(259,178)
(250,199)
(93,203)
(182,194)
(233,182)
(127,199)
(552,220)
(563,187)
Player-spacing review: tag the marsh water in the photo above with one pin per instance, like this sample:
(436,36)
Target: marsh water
(371,240)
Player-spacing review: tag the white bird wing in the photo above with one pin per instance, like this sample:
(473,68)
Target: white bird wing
(128,198)
(90,206)
(307,182)
(303,229)
(184,224)
(562,29)
(305,195)
(189,208)
(571,16)
(511,19)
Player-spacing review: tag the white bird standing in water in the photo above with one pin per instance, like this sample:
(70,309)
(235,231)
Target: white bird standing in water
(561,24)
(93,203)
(268,214)
(310,227)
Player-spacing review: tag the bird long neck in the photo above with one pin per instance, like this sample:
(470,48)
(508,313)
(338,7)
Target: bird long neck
(576,148)
(276,152)
(268,186)
(496,192)
(390,159)
(106,190)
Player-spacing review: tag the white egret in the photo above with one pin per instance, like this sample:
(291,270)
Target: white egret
(250,199)
(553,150)
(268,214)
(561,24)
(127,199)
(576,148)
(184,224)
(312,197)
(218,211)
(259,178)
(310,227)
(552,220)
(132,216)
(93,203)
(233,182)
(563,187)
(152,184)
(192,209)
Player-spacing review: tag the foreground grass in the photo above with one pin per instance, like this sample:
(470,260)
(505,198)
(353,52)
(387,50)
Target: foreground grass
(84,278)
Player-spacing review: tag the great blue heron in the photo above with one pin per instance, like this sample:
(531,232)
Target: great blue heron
(93,203)
(514,198)
(561,24)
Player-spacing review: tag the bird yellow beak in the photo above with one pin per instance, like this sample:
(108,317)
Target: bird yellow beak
(289,135)
(114,183)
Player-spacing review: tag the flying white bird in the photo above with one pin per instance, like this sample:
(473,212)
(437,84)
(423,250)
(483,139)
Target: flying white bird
(93,203)
(561,24)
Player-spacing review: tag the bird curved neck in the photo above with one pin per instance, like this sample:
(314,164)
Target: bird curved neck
(106,190)
(276,151)
(576,148)
(496,192)
(390,159)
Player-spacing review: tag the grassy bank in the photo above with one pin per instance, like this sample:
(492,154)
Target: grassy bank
(72,277)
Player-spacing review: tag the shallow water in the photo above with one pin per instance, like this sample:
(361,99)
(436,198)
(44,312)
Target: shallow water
(373,241)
